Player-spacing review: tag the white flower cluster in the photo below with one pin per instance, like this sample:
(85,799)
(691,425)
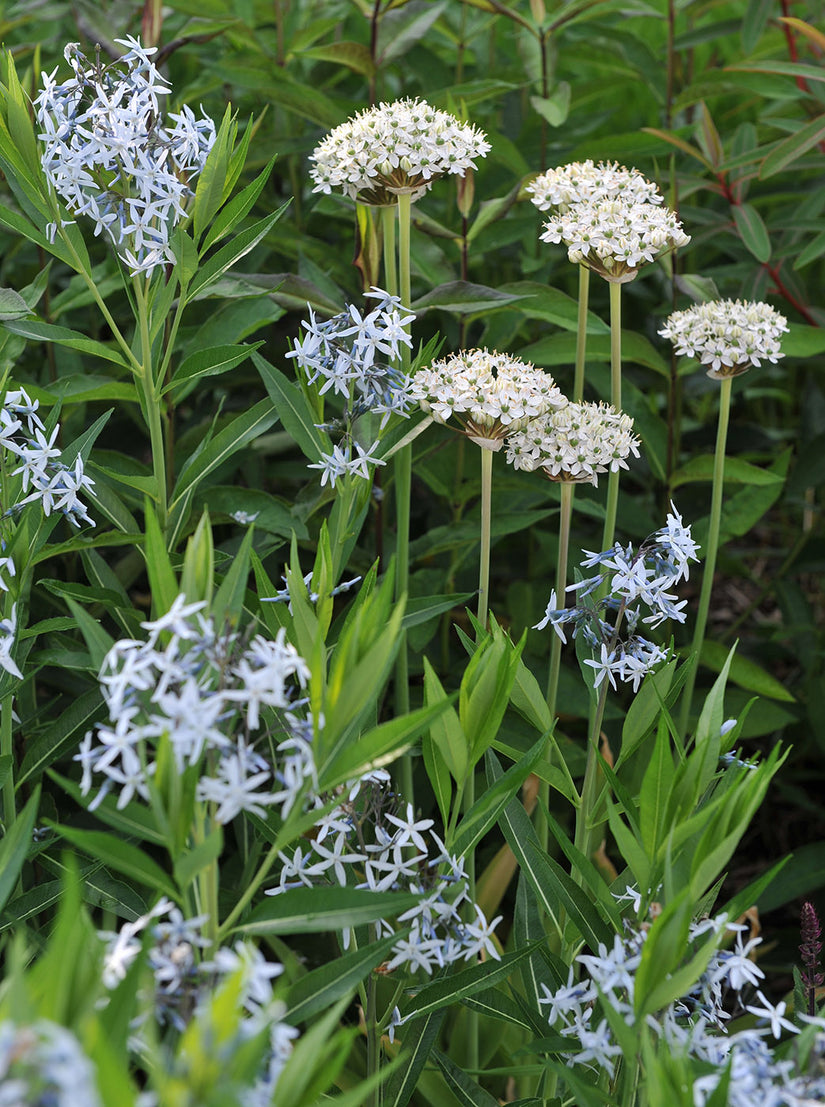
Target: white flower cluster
(395,148)
(204,691)
(352,355)
(363,843)
(575,443)
(54,484)
(490,394)
(728,336)
(43,1065)
(108,155)
(615,238)
(633,578)
(184,982)
(695,1025)
(585,182)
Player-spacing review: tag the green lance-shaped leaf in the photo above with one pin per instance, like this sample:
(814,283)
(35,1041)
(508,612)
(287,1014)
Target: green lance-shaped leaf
(752,231)
(463,1087)
(314,910)
(208,363)
(238,247)
(450,989)
(15,845)
(417,1040)
(321,987)
(121,856)
(294,412)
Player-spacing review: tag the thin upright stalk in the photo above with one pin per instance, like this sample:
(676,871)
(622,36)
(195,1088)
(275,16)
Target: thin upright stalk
(581,334)
(616,400)
(712,549)
(566,489)
(7,750)
(151,400)
(390,260)
(403,485)
(484,558)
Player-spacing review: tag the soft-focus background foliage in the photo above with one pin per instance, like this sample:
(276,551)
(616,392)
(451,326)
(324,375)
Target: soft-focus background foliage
(722,104)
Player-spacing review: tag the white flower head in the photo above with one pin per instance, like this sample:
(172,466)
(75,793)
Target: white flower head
(615,237)
(574,443)
(585,182)
(727,336)
(395,148)
(490,394)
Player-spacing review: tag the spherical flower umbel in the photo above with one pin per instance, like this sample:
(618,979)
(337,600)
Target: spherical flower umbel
(491,394)
(615,237)
(727,336)
(575,443)
(395,148)
(584,182)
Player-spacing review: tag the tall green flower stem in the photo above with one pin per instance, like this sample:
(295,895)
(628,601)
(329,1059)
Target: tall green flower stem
(581,334)
(388,216)
(566,490)
(151,398)
(484,559)
(712,549)
(616,401)
(403,485)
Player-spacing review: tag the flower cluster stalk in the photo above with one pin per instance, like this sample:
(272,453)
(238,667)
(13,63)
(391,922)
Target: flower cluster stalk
(484,559)
(712,549)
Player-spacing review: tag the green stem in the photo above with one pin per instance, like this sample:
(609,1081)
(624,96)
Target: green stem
(581,334)
(373,1037)
(472,1016)
(566,489)
(390,261)
(611,508)
(712,550)
(7,750)
(151,400)
(484,558)
(403,485)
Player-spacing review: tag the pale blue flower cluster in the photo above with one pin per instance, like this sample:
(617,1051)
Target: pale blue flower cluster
(109,155)
(365,843)
(53,484)
(206,692)
(695,1026)
(629,581)
(352,355)
(184,983)
(43,1065)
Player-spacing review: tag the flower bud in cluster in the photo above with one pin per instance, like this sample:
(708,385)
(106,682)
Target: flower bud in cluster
(491,394)
(584,182)
(575,443)
(727,336)
(395,148)
(108,154)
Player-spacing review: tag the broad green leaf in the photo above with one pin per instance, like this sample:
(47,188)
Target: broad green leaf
(645,708)
(293,410)
(555,108)
(655,792)
(15,845)
(793,147)
(417,1038)
(229,217)
(400,30)
(744,672)
(238,433)
(353,55)
(752,231)
(135,820)
(238,247)
(313,910)
(420,609)
(209,188)
(464,1088)
(380,746)
(560,889)
(228,601)
(463,298)
(63,735)
(98,641)
(486,810)
(121,856)
(12,305)
(450,989)
(320,988)
(446,730)
(209,363)
(162,580)
(63,336)
(736,471)
(754,21)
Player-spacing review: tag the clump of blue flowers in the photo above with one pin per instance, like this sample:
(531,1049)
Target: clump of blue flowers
(628,582)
